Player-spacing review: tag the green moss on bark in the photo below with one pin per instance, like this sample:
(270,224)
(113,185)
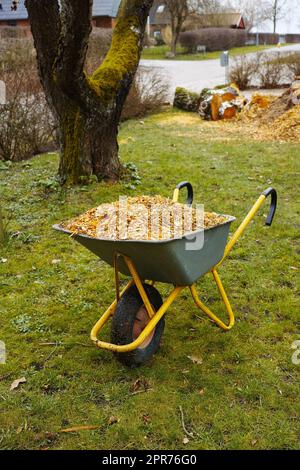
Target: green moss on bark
(72,135)
(121,60)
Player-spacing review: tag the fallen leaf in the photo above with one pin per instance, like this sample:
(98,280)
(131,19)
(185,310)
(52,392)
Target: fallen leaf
(254,442)
(56,261)
(201,391)
(139,384)
(185,440)
(146,419)
(195,360)
(17,382)
(136,385)
(79,428)
(113,420)
(3,260)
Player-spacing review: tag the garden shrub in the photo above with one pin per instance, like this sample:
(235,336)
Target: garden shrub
(243,71)
(267,39)
(148,93)
(186,100)
(190,40)
(265,70)
(26,123)
(292,63)
(214,39)
(15,32)
(271,71)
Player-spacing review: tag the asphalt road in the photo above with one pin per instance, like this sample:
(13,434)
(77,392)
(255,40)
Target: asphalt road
(196,75)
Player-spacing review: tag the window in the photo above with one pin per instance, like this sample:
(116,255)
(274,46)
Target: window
(160,9)
(12,23)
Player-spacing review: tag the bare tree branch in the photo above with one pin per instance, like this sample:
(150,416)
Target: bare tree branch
(277,11)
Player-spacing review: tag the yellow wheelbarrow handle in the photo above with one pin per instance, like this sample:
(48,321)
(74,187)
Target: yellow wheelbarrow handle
(268,192)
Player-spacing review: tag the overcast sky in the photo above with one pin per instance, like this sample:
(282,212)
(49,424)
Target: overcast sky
(291,22)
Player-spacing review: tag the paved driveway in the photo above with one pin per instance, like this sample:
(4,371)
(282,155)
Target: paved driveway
(196,75)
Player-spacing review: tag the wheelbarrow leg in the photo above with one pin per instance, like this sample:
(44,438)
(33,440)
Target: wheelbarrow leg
(268,192)
(106,316)
(207,311)
(154,316)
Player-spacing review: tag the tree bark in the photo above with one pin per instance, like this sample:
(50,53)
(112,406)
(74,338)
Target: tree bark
(87,108)
(178,10)
(89,145)
(174,43)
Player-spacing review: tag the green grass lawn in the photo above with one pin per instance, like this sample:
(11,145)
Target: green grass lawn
(159,53)
(244,395)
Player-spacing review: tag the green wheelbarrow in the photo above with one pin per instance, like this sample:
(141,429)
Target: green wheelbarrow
(138,310)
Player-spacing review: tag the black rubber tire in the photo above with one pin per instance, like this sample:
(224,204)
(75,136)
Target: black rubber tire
(123,322)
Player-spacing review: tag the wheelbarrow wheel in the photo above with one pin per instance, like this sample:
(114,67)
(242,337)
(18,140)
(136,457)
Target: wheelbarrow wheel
(130,319)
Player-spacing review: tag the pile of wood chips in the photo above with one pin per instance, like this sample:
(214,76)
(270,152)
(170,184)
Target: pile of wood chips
(274,118)
(287,126)
(142,218)
(257,107)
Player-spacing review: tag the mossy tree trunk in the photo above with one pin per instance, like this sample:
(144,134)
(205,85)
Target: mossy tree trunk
(87,108)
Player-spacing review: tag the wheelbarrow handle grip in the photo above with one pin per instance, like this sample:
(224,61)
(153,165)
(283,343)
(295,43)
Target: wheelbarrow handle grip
(190,196)
(271,192)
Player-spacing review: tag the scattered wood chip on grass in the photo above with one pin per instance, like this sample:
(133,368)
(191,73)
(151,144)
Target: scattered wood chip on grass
(56,261)
(113,420)
(195,359)
(17,382)
(79,428)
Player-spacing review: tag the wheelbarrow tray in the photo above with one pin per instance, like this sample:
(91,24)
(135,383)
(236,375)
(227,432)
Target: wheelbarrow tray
(167,261)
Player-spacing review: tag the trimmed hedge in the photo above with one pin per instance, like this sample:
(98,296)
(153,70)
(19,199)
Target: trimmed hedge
(215,39)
